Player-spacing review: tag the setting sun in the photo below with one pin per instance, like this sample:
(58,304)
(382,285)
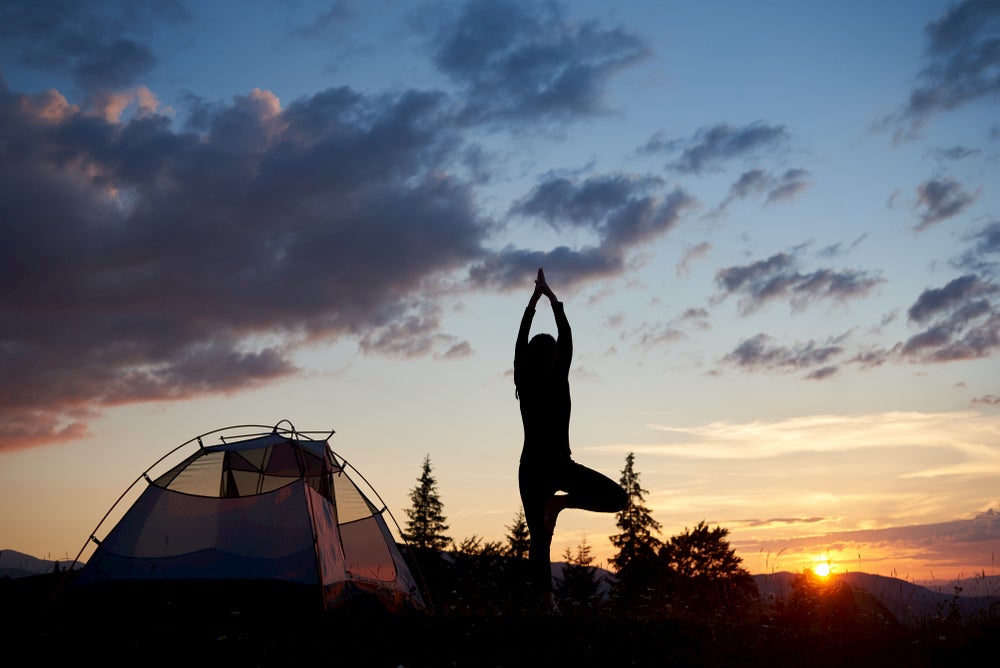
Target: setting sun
(822,569)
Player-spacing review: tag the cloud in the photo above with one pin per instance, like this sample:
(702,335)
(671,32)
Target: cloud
(146,263)
(517,60)
(941,199)
(760,182)
(778,278)
(962,58)
(955,153)
(934,301)
(758,352)
(691,254)
(712,146)
(961,321)
(622,211)
(958,321)
(100,45)
(153,258)
(984,255)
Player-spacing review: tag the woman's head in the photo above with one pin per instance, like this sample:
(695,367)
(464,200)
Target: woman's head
(541,351)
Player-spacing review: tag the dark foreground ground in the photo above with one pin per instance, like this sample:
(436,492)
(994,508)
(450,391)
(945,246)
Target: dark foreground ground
(75,630)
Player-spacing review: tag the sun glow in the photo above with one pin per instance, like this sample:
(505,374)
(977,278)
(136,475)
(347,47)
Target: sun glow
(822,569)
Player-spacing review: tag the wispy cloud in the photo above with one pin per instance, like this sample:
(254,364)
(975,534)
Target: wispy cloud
(961,321)
(621,211)
(940,199)
(758,182)
(760,352)
(961,59)
(778,278)
(515,60)
(711,147)
(984,254)
(691,254)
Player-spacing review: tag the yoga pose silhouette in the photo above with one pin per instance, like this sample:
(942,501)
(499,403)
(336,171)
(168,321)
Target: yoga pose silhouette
(541,377)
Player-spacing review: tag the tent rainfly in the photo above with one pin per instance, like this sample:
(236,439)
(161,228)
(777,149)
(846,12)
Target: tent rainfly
(274,506)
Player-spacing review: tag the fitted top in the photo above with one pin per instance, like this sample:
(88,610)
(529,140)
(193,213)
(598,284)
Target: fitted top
(544,393)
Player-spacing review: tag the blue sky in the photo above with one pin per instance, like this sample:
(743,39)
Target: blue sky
(774,227)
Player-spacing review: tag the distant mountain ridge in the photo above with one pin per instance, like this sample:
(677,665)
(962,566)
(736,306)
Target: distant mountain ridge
(14,564)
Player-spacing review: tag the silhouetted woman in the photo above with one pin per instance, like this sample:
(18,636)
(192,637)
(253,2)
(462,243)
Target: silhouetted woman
(541,374)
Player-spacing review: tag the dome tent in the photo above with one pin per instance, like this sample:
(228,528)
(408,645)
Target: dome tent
(273,508)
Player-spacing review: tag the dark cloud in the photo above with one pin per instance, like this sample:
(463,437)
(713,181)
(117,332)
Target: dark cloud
(659,143)
(955,153)
(962,61)
(654,334)
(778,278)
(517,60)
(759,352)
(142,262)
(712,146)
(100,45)
(774,188)
(650,335)
(621,211)
(752,182)
(987,400)
(935,301)
(984,255)
(960,321)
(838,249)
(694,314)
(788,185)
(941,199)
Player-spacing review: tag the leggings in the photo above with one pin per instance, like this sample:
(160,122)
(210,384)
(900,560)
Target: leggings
(585,489)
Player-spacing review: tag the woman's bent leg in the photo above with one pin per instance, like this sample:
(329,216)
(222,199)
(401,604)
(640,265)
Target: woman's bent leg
(589,490)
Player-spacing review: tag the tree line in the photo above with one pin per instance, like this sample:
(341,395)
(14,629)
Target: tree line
(694,572)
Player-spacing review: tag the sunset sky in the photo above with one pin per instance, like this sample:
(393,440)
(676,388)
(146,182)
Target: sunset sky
(775,227)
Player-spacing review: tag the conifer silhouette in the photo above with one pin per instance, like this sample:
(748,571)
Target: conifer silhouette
(426,527)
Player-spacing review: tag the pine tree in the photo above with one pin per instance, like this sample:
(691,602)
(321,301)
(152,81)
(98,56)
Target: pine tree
(636,543)
(636,564)
(426,525)
(518,538)
(578,588)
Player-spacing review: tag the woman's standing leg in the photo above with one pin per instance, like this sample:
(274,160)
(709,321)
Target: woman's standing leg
(536,490)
